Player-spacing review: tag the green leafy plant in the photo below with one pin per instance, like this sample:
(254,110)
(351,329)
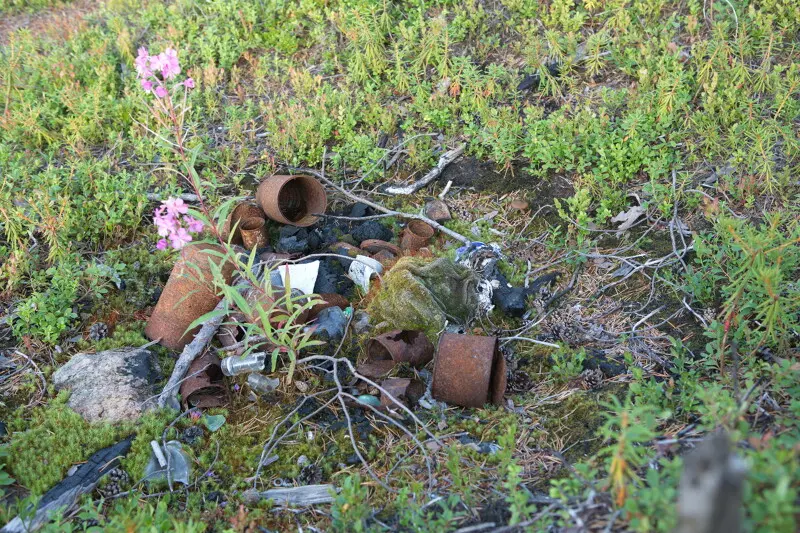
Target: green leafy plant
(46,314)
(5,478)
(350,510)
(627,426)
(518,498)
(567,364)
(751,272)
(275,312)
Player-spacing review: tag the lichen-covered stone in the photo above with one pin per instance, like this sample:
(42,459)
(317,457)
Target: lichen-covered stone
(420,295)
(110,386)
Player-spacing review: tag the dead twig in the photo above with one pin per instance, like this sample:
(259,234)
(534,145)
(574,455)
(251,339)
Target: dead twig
(186,197)
(446,158)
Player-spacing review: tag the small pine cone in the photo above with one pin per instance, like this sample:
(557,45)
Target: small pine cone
(310,475)
(110,489)
(192,434)
(592,378)
(98,331)
(115,482)
(709,315)
(119,475)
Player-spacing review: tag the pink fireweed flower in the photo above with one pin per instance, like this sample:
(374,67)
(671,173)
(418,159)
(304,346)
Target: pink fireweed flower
(166,224)
(155,63)
(194,225)
(141,63)
(180,238)
(188,83)
(147,85)
(175,206)
(173,223)
(168,62)
(161,91)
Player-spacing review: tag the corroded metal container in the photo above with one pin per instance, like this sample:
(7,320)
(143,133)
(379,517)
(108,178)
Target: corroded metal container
(469,371)
(203,386)
(188,295)
(416,235)
(254,232)
(292,199)
(374,246)
(240,213)
(401,346)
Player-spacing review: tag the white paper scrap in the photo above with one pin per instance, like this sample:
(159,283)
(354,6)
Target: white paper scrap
(301,276)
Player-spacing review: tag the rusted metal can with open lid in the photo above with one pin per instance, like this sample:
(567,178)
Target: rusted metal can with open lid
(189,294)
(417,234)
(294,199)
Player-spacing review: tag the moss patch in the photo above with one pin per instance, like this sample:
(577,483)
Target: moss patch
(46,444)
(571,424)
(44,447)
(422,295)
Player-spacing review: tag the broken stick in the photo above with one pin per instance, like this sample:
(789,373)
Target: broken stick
(169,396)
(447,158)
(297,496)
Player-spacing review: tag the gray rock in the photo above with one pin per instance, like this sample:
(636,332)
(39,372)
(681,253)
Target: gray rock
(110,386)
(437,210)
(331,324)
(361,322)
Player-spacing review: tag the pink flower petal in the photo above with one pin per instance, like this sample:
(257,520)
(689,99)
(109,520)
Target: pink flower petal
(141,62)
(168,61)
(194,225)
(175,206)
(180,238)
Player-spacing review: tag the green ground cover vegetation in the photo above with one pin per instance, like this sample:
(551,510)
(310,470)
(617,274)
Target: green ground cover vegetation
(688,108)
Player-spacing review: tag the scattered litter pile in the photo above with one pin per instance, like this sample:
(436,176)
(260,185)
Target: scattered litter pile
(417,307)
(318,276)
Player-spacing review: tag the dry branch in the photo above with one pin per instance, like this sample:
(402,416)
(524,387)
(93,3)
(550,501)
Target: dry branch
(447,158)
(297,496)
(382,209)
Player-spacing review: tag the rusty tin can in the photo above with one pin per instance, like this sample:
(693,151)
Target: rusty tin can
(375,246)
(416,235)
(188,295)
(233,225)
(254,232)
(292,199)
(469,371)
(203,387)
